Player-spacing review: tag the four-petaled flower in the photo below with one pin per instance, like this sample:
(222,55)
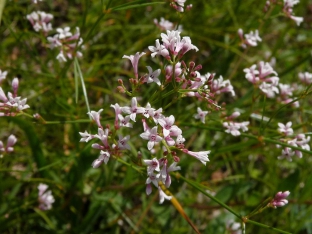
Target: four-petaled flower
(152,136)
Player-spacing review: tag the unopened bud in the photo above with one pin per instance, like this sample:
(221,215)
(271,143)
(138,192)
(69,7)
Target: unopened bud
(198,67)
(176,159)
(15,86)
(121,89)
(183,64)
(193,74)
(191,65)
(120,81)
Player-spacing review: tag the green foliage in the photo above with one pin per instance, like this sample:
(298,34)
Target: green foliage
(243,171)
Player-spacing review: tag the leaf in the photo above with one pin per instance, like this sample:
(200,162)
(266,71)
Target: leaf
(127,6)
(2,4)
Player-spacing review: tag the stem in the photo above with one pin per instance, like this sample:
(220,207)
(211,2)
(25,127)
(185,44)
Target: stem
(198,187)
(267,227)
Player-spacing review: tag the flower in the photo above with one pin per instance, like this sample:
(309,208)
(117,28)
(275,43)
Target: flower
(305,77)
(163,196)
(103,158)
(123,142)
(96,117)
(152,165)
(152,137)
(40,21)
(45,197)
(250,39)
(67,42)
(280,199)
(134,61)
(159,50)
(234,127)
(125,121)
(85,136)
(10,143)
(153,76)
(3,75)
(133,110)
(288,5)
(285,129)
(164,24)
(201,114)
(201,155)
(168,127)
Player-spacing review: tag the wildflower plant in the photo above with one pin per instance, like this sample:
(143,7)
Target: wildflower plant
(114,119)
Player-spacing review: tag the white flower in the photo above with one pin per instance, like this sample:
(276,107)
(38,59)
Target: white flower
(64,32)
(45,197)
(96,117)
(201,155)
(285,129)
(133,110)
(163,196)
(103,158)
(201,115)
(153,76)
(152,137)
(3,75)
(305,77)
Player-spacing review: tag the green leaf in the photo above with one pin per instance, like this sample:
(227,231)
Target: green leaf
(2,4)
(128,6)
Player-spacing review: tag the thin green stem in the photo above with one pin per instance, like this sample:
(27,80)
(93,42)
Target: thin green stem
(198,187)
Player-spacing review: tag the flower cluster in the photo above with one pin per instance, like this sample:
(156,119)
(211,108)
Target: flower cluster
(249,39)
(288,10)
(234,127)
(299,140)
(172,45)
(45,197)
(158,172)
(286,93)
(10,143)
(279,200)
(305,77)
(40,21)
(164,24)
(164,132)
(67,42)
(264,76)
(11,104)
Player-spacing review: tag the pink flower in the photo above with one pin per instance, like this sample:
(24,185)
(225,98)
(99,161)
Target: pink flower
(134,61)
(285,129)
(133,110)
(201,155)
(305,77)
(159,50)
(280,199)
(125,121)
(123,142)
(45,197)
(96,117)
(168,127)
(153,76)
(3,75)
(103,158)
(151,136)
(201,114)
(152,165)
